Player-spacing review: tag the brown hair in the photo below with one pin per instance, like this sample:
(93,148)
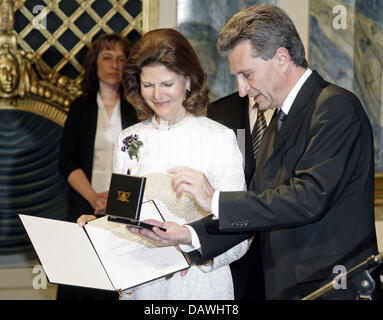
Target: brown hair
(90,83)
(171,49)
(267,28)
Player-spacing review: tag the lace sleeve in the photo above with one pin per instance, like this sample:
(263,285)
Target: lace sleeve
(228,172)
(229,176)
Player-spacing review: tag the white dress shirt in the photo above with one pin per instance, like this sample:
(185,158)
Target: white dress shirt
(107,131)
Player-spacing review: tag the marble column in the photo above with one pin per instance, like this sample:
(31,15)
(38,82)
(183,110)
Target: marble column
(201,21)
(349,53)
(345,47)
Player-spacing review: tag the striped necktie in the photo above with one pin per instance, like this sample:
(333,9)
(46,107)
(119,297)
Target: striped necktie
(259,128)
(281,118)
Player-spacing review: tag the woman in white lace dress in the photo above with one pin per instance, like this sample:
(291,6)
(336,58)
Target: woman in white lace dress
(165,83)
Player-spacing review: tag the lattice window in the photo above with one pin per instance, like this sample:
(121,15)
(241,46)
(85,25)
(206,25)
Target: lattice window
(71,25)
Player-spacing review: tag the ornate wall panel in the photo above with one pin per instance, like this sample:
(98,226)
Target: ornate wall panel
(42,46)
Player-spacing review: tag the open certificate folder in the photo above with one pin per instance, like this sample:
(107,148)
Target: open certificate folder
(102,254)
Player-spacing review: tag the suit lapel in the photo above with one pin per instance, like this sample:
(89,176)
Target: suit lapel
(272,142)
(297,112)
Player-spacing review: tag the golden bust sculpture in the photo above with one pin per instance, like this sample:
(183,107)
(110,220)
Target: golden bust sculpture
(25,82)
(9,72)
(19,79)
(15,78)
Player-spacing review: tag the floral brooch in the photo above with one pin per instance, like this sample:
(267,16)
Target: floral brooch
(132,145)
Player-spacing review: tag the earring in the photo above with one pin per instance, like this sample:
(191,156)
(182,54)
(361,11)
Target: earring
(188,87)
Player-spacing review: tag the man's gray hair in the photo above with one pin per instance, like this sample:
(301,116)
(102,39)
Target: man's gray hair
(267,28)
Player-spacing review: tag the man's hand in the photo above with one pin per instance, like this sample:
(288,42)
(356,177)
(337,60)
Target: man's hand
(175,234)
(195,183)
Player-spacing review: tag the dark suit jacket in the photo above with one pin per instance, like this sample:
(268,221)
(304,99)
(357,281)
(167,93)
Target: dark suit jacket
(312,194)
(77,145)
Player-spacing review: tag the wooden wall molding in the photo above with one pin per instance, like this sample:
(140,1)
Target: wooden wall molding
(379,189)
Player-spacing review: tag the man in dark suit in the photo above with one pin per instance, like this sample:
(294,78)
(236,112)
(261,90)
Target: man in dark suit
(312,194)
(240,114)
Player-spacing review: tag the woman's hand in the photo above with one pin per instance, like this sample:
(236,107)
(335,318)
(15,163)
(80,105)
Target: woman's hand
(82,220)
(99,203)
(185,271)
(78,181)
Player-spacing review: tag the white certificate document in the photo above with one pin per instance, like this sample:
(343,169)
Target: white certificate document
(103,254)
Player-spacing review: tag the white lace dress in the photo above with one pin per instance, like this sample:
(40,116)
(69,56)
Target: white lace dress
(207,146)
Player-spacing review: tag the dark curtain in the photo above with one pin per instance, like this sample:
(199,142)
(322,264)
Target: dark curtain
(30,182)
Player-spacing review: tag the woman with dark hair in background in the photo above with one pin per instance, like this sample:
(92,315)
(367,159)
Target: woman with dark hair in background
(93,124)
